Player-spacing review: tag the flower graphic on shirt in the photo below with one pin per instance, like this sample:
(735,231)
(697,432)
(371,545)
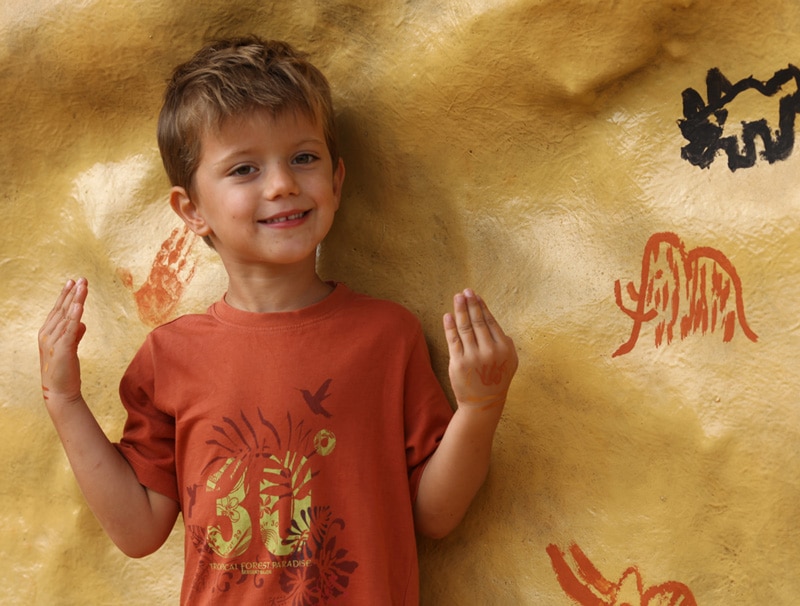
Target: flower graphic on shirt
(324,442)
(230,507)
(260,479)
(229,486)
(199,538)
(328,574)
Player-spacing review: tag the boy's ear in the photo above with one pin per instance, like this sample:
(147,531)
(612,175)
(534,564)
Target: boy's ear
(187,210)
(338,181)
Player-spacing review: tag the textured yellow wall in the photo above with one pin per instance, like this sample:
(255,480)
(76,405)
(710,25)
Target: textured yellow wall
(528,148)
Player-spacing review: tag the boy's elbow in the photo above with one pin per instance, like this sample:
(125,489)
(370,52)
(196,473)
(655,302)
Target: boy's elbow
(436,515)
(434,533)
(436,526)
(135,552)
(138,537)
(136,547)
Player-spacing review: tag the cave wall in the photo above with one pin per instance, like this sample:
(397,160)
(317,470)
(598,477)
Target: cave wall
(618,179)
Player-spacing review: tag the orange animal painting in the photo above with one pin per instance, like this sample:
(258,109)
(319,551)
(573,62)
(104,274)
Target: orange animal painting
(172,270)
(583,582)
(683,292)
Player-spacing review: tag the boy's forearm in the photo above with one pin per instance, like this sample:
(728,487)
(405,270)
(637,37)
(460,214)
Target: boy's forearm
(483,361)
(124,508)
(456,471)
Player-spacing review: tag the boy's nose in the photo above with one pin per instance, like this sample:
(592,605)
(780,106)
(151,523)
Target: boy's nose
(280,182)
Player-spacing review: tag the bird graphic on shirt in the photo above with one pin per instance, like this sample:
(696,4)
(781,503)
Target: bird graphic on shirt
(314,401)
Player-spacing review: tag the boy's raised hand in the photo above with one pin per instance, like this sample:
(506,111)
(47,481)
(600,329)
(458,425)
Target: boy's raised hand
(137,519)
(58,344)
(483,359)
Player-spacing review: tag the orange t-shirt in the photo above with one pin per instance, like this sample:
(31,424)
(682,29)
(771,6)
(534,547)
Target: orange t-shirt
(294,443)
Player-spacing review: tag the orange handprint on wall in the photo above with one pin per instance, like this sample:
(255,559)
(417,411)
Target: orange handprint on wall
(683,292)
(581,581)
(171,272)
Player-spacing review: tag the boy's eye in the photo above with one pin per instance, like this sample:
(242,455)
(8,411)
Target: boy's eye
(304,158)
(241,171)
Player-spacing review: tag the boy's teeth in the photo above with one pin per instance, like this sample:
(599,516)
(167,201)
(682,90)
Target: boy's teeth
(284,219)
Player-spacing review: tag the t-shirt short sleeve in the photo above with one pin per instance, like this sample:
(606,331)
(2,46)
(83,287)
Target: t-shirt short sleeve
(148,440)
(427,412)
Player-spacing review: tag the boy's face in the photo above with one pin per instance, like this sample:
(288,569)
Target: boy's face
(265,191)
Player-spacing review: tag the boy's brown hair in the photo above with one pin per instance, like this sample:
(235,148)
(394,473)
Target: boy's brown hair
(227,78)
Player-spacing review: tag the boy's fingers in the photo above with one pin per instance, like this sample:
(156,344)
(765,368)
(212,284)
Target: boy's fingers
(66,313)
(451,335)
(75,328)
(66,293)
(481,328)
(494,328)
(79,292)
(472,323)
(57,311)
(463,318)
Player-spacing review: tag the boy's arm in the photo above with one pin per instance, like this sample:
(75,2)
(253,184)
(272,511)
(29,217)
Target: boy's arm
(483,361)
(137,519)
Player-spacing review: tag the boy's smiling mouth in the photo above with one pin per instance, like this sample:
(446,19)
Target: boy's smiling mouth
(285,218)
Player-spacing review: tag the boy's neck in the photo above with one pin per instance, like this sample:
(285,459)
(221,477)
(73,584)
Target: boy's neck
(270,294)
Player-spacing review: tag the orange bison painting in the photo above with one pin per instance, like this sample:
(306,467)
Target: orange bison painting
(683,293)
(582,582)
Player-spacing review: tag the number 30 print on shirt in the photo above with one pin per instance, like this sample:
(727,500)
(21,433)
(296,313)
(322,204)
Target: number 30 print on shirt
(262,524)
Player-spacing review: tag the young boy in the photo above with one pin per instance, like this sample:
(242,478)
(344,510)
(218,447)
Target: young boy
(296,425)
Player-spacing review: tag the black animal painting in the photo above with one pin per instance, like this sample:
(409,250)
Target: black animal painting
(704,122)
